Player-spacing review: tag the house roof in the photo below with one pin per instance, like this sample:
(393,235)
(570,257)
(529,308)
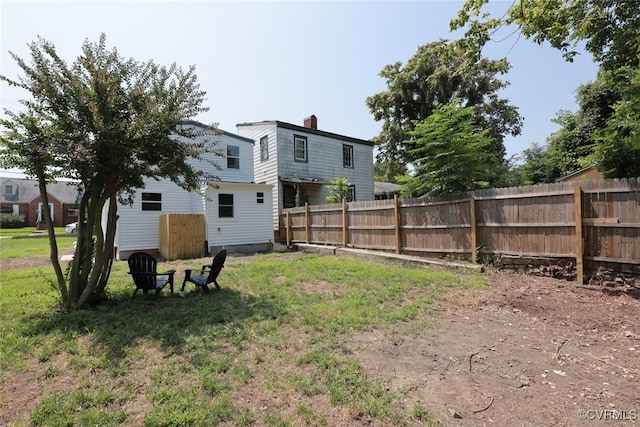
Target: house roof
(304,180)
(589,171)
(385,187)
(216,129)
(297,128)
(28,190)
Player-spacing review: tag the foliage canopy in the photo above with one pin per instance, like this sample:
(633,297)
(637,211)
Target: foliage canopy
(604,131)
(609,28)
(108,123)
(452,154)
(437,74)
(340,190)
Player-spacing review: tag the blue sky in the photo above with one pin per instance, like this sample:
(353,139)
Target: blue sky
(284,61)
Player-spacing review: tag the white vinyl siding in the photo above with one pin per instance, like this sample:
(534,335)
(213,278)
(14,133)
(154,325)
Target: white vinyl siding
(223,142)
(139,229)
(267,171)
(252,222)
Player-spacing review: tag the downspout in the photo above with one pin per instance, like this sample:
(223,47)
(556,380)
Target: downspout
(204,200)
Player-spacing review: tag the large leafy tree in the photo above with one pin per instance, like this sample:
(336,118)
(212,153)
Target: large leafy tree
(617,144)
(452,153)
(386,171)
(602,132)
(437,74)
(536,167)
(609,28)
(108,123)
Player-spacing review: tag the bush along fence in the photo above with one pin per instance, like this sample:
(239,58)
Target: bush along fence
(576,230)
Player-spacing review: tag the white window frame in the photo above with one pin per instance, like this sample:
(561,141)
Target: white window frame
(231,159)
(40,213)
(264,148)
(225,206)
(150,204)
(300,146)
(9,189)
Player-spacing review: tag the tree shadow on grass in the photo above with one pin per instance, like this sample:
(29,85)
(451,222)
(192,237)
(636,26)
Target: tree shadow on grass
(172,322)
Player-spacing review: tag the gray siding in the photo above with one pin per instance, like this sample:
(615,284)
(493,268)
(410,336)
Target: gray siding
(324,162)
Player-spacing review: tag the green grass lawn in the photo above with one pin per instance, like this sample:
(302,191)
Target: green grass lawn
(27,231)
(269,348)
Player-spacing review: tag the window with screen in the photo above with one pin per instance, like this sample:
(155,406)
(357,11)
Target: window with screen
(233,157)
(225,205)
(151,201)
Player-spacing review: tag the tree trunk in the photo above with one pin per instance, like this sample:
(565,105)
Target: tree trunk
(62,286)
(97,278)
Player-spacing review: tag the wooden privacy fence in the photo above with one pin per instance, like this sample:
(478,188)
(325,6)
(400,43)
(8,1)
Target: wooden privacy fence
(595,223)
(182,236)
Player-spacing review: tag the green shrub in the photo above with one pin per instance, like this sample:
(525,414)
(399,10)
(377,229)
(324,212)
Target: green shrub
(9,220)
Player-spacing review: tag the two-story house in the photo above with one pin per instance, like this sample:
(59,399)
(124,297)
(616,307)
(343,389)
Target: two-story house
(21,196)
(238,212)
(300,162)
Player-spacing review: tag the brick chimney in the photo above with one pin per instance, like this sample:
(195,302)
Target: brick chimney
(311,122)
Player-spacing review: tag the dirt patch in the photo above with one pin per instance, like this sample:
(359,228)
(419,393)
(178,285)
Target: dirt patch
(530,351)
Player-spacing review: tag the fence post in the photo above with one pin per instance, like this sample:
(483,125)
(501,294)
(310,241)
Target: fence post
(307,225)
(345,223)
(579,243)
(288,228)
(396,206)
(473,236)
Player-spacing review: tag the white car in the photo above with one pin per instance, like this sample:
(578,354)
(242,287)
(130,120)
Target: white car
(71,228)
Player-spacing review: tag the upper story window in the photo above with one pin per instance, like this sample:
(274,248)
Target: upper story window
(347,156)
(151,201)
(300,148)
(264,148)
(233,157)
(11,192)
(225,205)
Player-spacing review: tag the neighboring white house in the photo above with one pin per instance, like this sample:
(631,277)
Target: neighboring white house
(238,212)
(301,161)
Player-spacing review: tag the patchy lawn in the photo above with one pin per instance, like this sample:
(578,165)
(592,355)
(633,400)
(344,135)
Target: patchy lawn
(297,339)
